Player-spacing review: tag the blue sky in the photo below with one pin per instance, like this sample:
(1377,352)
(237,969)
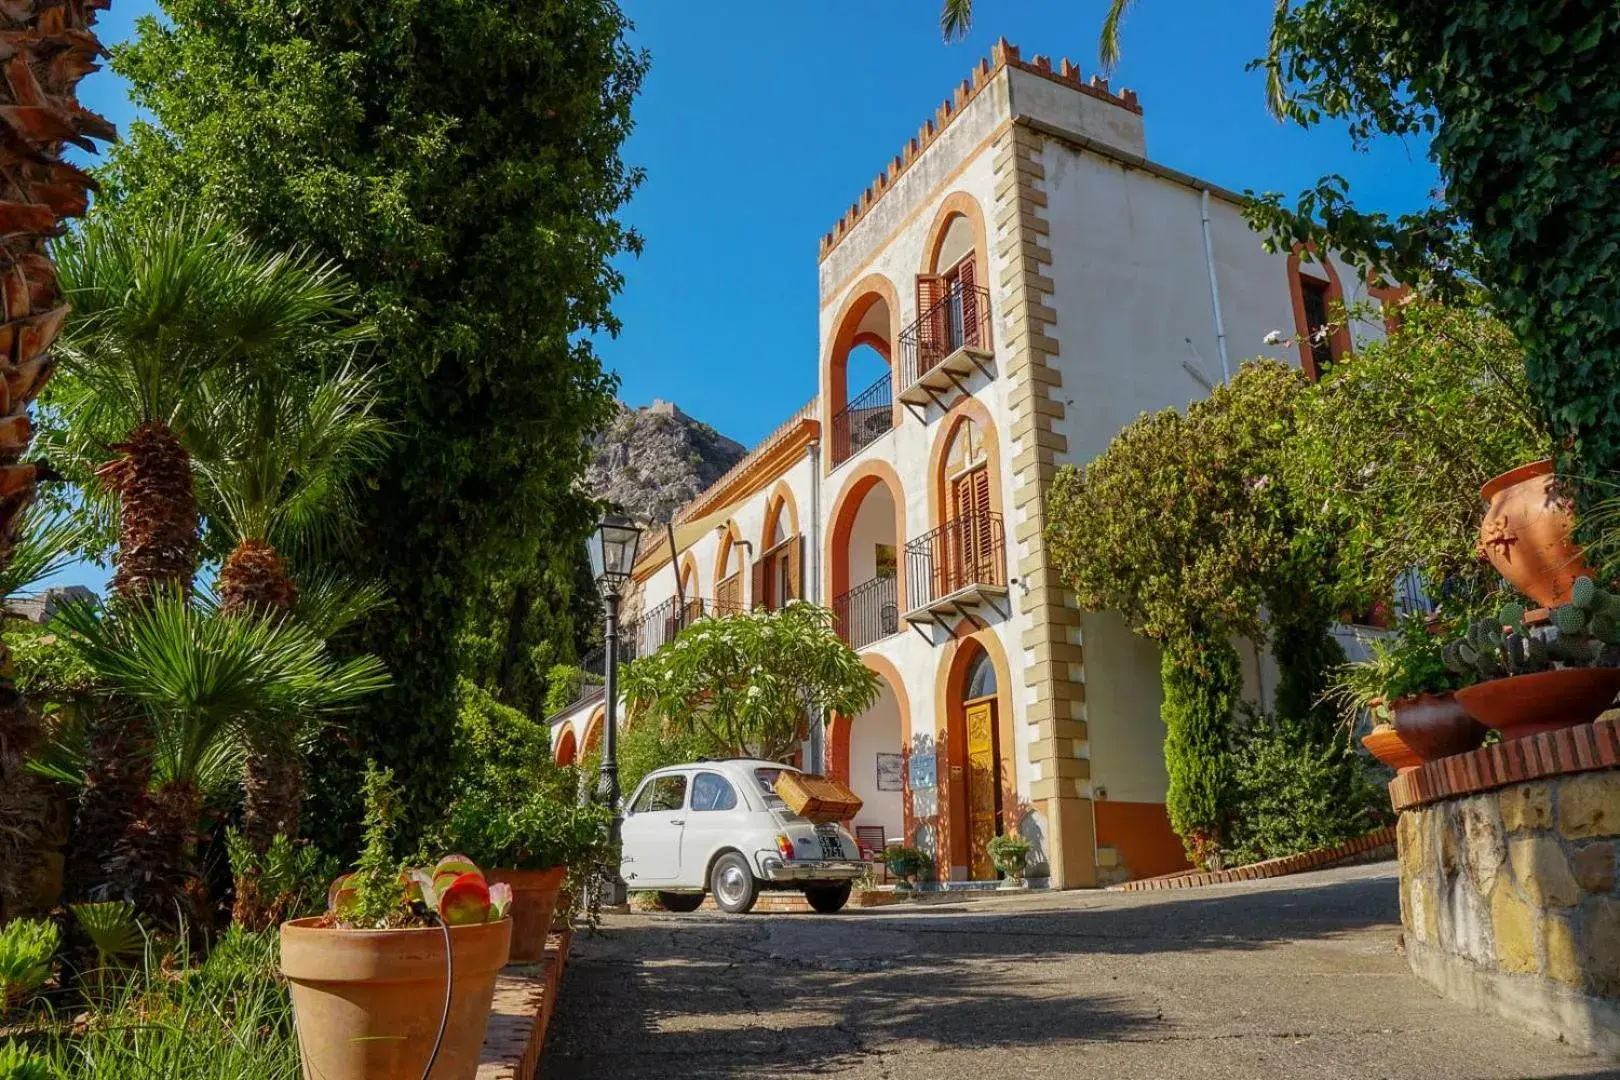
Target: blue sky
(759,123)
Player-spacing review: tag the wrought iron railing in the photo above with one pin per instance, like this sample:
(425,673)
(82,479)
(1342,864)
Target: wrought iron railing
(961,320)
(645,635)
(859,423)
(868,612)
(967,551)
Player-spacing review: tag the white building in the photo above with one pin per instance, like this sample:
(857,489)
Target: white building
(1027,282)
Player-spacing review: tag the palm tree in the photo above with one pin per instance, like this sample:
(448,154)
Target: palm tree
(161,306)
(956,19)
(201,679)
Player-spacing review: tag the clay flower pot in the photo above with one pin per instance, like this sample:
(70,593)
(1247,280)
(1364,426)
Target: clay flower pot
(367,1003)
(1435,726)
(534,901)
(1526,705)
(1526,534)
(1385,743)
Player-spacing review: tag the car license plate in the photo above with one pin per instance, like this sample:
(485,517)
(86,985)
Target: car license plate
(832,846)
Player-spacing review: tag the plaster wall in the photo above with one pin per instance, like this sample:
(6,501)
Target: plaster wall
(874,732)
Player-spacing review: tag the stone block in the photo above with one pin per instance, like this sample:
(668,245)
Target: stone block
(1543,872)
(1589,806)
(1425,925)
(1563,957)
(1448,824)
(1409,839)
(1514,927)
(1527,806)
(1484,844)
(1600,947)
(1594,866)
(1465,921)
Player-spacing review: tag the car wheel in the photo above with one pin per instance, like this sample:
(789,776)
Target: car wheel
(733,885)
(680,901)
(827,899)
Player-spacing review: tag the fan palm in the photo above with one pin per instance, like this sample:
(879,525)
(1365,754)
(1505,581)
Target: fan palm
(161,306)
(956,19)
(202,678)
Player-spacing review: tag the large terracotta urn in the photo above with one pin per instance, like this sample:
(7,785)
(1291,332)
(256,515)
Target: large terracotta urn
(534,902)
(1435,726)
(1527,531)
(1385,743)
(1524,705)
(367,1003)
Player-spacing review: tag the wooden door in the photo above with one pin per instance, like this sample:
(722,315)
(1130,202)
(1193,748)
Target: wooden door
(981,787)
(968,540)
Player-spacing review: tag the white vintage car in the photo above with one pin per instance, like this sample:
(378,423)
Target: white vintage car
(720,827)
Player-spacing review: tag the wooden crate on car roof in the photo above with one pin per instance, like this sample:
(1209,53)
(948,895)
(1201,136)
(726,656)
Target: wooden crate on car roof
(817,797)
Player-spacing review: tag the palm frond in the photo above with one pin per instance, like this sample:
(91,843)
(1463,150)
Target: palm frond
(328,603)
(955,19)
(1108,39)
(112,927)
(47,544)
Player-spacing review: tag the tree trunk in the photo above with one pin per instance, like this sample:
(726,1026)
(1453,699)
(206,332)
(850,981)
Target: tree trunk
(49,48)
(254,578)
(25,814)
(157,514)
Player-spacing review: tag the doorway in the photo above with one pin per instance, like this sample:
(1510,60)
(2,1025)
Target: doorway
(982,765)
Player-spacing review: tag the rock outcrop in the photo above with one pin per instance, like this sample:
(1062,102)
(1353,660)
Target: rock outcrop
(653,460)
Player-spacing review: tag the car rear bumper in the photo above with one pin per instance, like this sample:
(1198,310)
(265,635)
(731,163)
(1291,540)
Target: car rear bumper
(774,869)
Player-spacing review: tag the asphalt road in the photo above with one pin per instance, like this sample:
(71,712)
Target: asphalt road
(1298,977)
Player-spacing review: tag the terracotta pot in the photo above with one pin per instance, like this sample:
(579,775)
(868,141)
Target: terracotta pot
(1526,534)
(1385,743)
(1545,701)
(367,1002)
(534,901)
(1435,726)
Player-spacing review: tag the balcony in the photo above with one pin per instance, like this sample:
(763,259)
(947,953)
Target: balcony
(956,569)
(859,423)
(645,635)
(869,612)
(945,345)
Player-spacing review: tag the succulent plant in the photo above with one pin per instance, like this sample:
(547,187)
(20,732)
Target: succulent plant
(454,890)
(1582,633)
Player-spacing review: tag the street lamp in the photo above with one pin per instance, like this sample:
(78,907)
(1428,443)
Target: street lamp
(612,550)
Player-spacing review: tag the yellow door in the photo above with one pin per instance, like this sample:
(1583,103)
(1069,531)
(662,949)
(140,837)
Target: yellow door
(981,788)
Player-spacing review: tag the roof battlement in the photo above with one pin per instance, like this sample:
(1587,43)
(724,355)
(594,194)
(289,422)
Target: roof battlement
(1002,55)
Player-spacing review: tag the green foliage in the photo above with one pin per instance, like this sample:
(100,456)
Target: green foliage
(112,927)
(1009,852)
(1409,662)
(563,684)
(646,744)
(1586,632)
(747,682)
(374,882)
(1531,186)
(1394,444)
(1200,691)
(907,863)
(1306,655)
(496,745)
(1295,791)
(461,163)
(534,829)
(290,877)
(17,1062)
(27,947)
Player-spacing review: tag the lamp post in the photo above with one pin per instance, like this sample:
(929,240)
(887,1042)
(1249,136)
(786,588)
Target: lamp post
(613,552)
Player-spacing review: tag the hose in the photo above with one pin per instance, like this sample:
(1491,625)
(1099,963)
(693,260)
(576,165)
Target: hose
(449,984)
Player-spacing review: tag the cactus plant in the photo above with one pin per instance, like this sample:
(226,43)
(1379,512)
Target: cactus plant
(1583,633)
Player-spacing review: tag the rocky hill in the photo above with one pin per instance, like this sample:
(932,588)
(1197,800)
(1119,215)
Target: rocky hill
(653,460)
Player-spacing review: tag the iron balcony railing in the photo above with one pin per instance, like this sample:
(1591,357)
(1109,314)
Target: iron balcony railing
(965,552)
(859,423)
(868,612)
(960,320)
(645,635)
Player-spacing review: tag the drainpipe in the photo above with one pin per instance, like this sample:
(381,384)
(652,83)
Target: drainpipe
(818,724)
(1214,287)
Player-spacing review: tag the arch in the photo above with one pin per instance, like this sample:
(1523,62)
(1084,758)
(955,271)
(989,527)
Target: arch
(956,662)
(849,330)
(840,728)
(1339,340)
(593,733)
(958,204)
(968,408)
(728,569)
(567,748)
(780,507)
(691,585)
(861,480)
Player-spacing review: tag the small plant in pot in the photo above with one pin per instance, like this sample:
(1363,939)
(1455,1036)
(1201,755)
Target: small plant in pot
(397,978)
(1404,690)
(907,864)
(1009,853)
(1529,680)
(530,838)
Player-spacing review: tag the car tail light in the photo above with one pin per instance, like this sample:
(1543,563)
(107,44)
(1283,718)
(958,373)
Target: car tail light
(785,846)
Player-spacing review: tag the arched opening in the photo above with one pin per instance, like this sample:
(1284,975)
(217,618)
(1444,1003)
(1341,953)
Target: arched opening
(963,557)
(593,735)
(779,571)
(953,302)
(868,752)
(981,792)
(730,570)
(868,528)
(567,746)
(859,373)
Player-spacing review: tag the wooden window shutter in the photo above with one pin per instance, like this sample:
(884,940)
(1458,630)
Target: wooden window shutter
(795,558)
(761,584)
(965,271)
(933,321)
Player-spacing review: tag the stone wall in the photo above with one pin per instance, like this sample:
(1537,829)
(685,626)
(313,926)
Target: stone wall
(1510,903)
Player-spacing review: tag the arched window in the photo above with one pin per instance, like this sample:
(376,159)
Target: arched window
(967,473)
(981,679)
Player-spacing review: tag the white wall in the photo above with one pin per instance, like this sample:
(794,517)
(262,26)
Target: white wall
(874,525)
(874,732)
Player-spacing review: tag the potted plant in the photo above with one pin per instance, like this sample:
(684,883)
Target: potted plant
(907,863)
(1527,533)
(397,978)
(1009,852)
(1360,689)
(530,837)
(1533,680)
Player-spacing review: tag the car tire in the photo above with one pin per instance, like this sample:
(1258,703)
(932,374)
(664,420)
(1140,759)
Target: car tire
(733,885)
(827,899)
(680,902)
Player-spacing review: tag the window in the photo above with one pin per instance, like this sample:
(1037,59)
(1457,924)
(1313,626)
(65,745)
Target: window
(1315,293)
(710,791)
(662,794)
(981,680)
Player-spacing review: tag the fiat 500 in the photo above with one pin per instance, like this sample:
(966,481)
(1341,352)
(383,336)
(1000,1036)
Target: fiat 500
(719,827)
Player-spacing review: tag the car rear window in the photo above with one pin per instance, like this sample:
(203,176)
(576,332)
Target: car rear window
(767,786)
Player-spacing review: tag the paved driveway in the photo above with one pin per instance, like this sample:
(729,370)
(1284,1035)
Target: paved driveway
(1292,978)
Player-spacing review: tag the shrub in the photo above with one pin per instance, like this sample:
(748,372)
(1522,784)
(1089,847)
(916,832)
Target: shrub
(1009,852)
(1199,696)
(27,947)
(907,863)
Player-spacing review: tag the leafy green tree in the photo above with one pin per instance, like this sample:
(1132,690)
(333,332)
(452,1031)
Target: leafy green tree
(748,683)
(461,161)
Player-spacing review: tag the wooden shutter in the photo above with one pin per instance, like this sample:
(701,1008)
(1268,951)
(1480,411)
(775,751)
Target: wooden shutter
(932,325)
(795,558)
(971,315)
(761,584)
